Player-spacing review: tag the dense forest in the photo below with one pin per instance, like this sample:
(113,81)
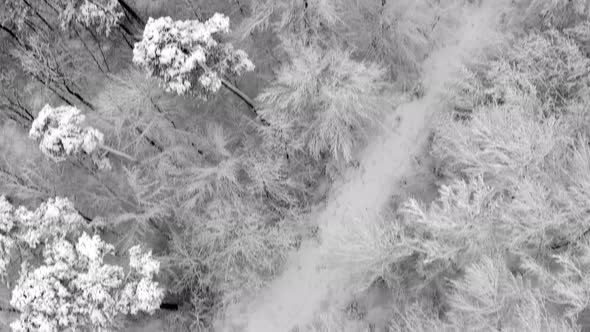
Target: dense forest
(294,165)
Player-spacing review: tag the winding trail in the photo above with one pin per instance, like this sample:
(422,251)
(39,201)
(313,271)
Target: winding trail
(305,289)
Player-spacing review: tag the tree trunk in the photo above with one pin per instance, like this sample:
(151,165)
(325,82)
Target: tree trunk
(128,9)
(79,97)
(104,59)
(142,134)
(11,34)
(240,94)
(52,89)
(244,97)
(16,117)
(88,50)
(125,38)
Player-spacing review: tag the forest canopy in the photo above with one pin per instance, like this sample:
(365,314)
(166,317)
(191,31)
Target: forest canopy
(162,162)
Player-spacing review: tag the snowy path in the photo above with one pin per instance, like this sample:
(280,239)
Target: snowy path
(303,290)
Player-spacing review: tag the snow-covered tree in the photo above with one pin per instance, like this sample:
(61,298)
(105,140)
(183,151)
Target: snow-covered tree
(549,65)
(186,56)
(48,59)
(549,14)
(490,297)
(73,288)
(325,102)
(100,14)
(307,21)
(395,33)
(54,218)
(65,283)
(60,135)
(212,180)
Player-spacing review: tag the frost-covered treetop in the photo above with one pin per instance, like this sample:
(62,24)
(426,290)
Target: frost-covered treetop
(53,218)
(102,14)
(75,290)
(60,134)
(185,53)
(69,287)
